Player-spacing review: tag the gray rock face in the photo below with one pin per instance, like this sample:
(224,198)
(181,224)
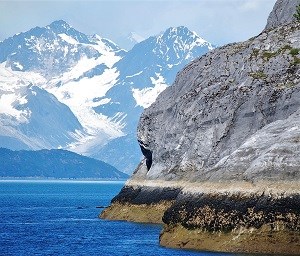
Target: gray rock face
(282,13)
(230,115)
(224,143)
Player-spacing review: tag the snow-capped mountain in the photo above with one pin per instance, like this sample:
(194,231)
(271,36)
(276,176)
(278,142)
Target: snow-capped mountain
(31,117)
(74,67)
(145,71)
(49,50)
(62,88)
(131,40)
(135,38)
(149,68)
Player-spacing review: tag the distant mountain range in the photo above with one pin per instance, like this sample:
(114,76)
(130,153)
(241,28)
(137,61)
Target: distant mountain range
(131,39)
(60,88)
(54,163)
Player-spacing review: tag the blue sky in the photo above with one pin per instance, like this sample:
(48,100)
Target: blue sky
(218,21)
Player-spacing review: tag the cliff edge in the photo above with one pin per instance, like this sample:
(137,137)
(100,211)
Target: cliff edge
(282,13)
(222,149)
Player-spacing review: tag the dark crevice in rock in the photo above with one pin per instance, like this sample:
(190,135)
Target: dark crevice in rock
(147,153)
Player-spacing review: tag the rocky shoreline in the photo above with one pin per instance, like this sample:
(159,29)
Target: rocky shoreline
(260,241)
(234,223)
(225,217)
(141,204)
(140,213)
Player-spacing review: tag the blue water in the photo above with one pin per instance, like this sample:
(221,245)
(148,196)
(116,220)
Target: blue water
(60,218)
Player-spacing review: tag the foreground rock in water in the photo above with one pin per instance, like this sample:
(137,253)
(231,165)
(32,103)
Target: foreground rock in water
(260,217)
(145,204)
(236,222)
(224,147)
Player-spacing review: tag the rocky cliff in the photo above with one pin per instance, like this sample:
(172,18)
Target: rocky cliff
(222,149)
(282,13)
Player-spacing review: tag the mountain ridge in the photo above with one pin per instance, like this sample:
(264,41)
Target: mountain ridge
(54,163)
(104,86)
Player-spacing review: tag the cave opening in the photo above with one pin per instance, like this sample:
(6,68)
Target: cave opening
(147,154)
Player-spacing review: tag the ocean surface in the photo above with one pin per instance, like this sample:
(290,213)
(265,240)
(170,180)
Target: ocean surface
(60,218)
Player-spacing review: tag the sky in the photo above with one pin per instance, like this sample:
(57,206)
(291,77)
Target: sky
(217,21)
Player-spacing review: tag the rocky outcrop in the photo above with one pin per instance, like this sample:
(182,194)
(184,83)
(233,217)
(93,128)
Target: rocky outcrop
(237,222)
(229,114)
(225,140)
(282,13)
(141,204)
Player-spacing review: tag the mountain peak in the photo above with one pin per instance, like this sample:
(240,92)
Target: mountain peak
(282,13)
(185,35)
(179,29)
(135,38)
(62,27)
(59,25)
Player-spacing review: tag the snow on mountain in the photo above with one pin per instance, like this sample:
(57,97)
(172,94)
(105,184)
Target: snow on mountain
(145,71)
(62,88)
(146,96)
(82,87)
(12,87)
(133,38)
(32,116)
(130,40)
(76,68)
(136,38)
(148,69)
(49,51)
(82,93)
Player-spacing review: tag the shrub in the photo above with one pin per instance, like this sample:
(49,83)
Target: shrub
(297,14)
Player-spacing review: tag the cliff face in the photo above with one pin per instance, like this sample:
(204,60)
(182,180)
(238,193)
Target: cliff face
(233,114)
(282,13)
(222,148)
